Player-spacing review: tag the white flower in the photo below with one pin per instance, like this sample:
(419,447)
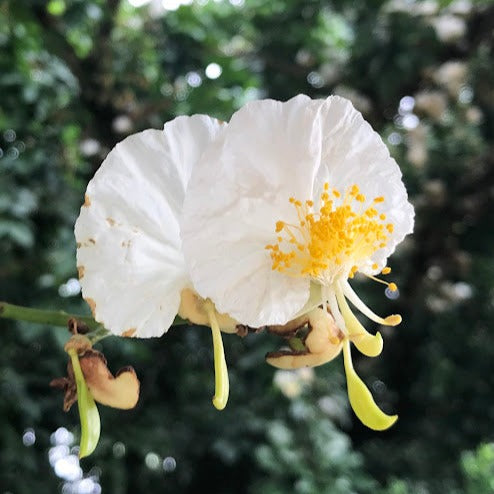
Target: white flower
(262,184)
(290,201)
(129,256)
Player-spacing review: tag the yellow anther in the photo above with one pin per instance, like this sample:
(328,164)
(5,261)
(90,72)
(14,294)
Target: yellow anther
(379,199)
(393,287)
(374,266)
(386,270)
(326,241)
(393,320)
(390,227)
(382,217)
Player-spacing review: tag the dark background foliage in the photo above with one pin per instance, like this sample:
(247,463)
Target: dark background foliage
(78,76)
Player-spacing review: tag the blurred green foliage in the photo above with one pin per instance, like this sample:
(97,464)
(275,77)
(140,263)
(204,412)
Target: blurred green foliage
(478,467)
(78,76)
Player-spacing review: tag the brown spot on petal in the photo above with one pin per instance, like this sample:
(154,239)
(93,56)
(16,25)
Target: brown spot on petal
(129,333)
(111,221)
(80,271)
(87,201)
(91,240)
(92,305)
(79,244)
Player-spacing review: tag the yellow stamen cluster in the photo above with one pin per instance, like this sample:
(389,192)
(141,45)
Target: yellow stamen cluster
(343,234)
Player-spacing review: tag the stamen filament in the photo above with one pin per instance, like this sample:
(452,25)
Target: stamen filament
(392,286)
(335,311)
(324,294)
(392,320)
(221,382)
(376,279)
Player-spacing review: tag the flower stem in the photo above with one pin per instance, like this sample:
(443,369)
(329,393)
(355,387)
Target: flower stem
(41,316)
(57,318)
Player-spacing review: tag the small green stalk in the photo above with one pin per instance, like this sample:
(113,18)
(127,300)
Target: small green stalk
(88,411)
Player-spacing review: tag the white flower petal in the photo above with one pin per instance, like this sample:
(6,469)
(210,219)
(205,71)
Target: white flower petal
(129,250)
(353,153)
(241,186)
(238,190)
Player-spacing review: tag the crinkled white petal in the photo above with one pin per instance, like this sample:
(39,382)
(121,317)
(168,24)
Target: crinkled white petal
(237,192)
(270,152)
(129,249)
(353,153)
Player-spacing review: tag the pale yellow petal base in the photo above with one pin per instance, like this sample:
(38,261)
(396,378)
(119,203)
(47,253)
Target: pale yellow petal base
(193,308)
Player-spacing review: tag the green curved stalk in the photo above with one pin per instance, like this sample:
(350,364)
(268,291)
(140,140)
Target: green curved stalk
(88,411)
(41,316)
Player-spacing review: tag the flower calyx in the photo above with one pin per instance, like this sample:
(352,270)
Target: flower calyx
(119,391)
(89,380)
(320,343)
